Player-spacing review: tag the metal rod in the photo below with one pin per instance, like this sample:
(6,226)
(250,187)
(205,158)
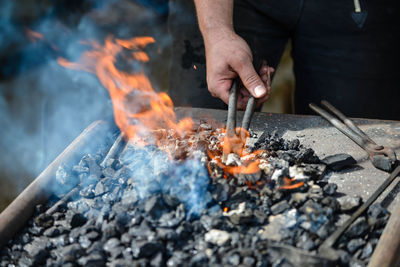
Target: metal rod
(248,114)
(331,240)
(232,106)
(387,252)
(114,150)
(346,120)
(340,126)
(14,217)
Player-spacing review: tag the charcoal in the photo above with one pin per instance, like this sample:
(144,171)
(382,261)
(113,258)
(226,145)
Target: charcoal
(330,189)
(144,248)
(113,247)
(71,253)
(356,229)
(139,210)
(338,162)
(37,250)
(217,237)
(92,260)
(349,204)
(356,263)
(77,220)
(232,260)
(44,220)
(280,207)
(155,206)
(367,251)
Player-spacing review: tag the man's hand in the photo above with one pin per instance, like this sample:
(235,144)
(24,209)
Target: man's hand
(229,56)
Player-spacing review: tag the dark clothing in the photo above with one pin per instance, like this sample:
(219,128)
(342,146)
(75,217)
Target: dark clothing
(349,58)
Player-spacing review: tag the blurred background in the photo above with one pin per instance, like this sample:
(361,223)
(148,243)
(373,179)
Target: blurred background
(44,106)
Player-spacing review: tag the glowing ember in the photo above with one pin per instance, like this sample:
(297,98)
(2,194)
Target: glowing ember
(33,36)
(138,109)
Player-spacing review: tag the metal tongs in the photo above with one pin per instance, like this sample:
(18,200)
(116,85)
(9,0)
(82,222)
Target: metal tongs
(383,158)
(237,140)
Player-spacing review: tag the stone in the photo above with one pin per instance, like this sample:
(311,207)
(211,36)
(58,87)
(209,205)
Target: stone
(280,207)
(77,220)
(338,162)
(357,228)
(44,220)
(330,189)
(144,248)
(348,203)
(217,237)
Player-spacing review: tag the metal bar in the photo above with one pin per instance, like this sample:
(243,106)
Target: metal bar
(232,106)
(340,126)
(248,114)
(331,240)
(14,217)
(387,252)
(346,120)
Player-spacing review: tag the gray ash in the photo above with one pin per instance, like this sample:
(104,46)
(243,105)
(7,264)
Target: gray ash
(141,209)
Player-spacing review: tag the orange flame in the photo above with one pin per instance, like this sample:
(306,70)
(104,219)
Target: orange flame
(138,109)
(290,184)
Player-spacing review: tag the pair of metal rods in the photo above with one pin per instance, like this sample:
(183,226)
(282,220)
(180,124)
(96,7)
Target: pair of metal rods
(248,114)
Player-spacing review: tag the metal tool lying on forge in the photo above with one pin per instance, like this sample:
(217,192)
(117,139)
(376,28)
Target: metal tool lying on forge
(383,158)
(237,140)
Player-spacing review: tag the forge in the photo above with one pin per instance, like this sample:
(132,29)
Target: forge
(129,204)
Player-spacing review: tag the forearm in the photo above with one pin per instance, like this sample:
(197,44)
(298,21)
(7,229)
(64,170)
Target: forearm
(215,17)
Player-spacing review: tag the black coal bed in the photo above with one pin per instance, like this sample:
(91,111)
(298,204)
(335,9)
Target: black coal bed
(146,207)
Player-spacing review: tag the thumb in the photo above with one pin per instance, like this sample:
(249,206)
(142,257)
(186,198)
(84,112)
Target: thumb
(252,81)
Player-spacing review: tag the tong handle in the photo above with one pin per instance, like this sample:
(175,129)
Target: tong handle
(340,126)
(231,122)
(346,121)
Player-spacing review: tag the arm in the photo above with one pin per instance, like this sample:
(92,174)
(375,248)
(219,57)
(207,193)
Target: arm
(227,54)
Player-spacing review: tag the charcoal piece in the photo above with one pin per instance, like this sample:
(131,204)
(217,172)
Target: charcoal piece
(37,250)
(260,217)
(109,229)
(103,186)
(170,220)
(220,192)
(129,198)
(206,221)
(248,261)
(121,263)
(280,207)
(377,215)
(110,172)
(144,248)
(217,237)
(171,201)
(178,259)
(157,260)
(167,234)
(243,217)
(92,260)
(84,241)
(54,231)
(307,156)
(87,192)
(142,231)
(155,206)
(367,251)
(305,242)
(315,192)
(113,247)
(358,228)
(332,203)
(355,244)
(338,162)
(200,259)
(122,220)
(233,159)
(44,220)
(330,189)
(71,253)
(356,263)
(77,220)
(232,260)
(349,204)
(298,198)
